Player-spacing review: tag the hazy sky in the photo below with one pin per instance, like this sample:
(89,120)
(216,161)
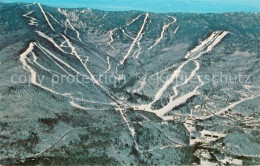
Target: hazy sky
(198,6)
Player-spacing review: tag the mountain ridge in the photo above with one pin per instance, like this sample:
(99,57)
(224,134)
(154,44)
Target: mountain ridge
(141,93)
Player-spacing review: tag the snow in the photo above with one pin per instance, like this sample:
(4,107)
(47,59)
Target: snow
(28,6)
(236,103)
(33,77)
(32,21)
(72,103)
(169,81)
(180,100)
(45,16)
(68,22)
(203,44)
(108,68)
(162,32)
(131,129)
(60,60)
(111,32)
(218,39)
(230,160)
(55,19)
(52,59)
(124,32)
(206,46)
(175,31)
(51,40)
(133,20)
(23,58)
(139,35)
(187,80)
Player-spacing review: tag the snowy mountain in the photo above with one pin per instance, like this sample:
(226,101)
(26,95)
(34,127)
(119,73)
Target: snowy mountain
(83,86)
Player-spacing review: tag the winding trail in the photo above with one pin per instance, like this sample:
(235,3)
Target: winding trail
(162,32)
(32,21)
(111,33)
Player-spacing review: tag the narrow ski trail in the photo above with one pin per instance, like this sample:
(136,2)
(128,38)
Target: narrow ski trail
(165,26)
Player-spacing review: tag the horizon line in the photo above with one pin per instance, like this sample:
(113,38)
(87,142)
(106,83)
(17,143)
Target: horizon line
(127,9)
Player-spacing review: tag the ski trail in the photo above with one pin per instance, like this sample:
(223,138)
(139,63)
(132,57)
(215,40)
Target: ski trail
(86,60)
(175,31)
(60,60)
(234,104)
(177,71)
(38,64)
(55,19)
(30,5)
(72,103)
(136,18)
(162,32)
(180,100)
(218,39)
(124,32)
(66,27)
(45,16)
(68,22)
(32,21)
(62,44)
(135,40)
(94,80)
(187,80)
(203,44)
(33,77)
(108,68)
(209,43)
(166,69)
(138,52)
(74,52)
(131,129)
(212,44)
(169,81)
(72,27)
(87,101)
(46,53)
(104,16)
(23,58)
(73,49)
(51,40)
(111,33)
